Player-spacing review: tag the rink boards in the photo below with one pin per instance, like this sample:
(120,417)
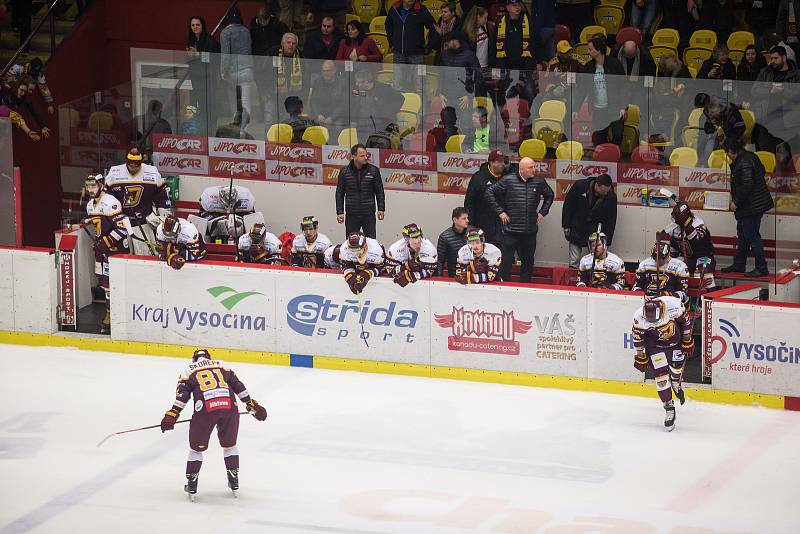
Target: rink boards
(528,335)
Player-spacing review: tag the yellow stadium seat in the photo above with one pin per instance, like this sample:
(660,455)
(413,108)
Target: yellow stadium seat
(767,160)
(703,39)
(69,116)
(348,137)
(694,57)
(411,102)
(378,25)
(692,71)
(618,3)
(532,148)
(740,40)
(381,42)
(316,135)
(453,143)
(407,121)
(588,31)
(553,109)
(101,120)
(667,37)
(434,6)
(569,150)
(736,56)
(749,119)
(385,76)
(548,131)
(349,17)
(388,59)
(683,157)
(692,130)
(280,133)
(484,102)
(609,17)
(581,53)
(366,9)
(718,159)
(658,51)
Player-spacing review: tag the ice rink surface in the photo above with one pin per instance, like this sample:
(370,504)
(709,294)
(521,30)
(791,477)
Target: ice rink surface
(355,453)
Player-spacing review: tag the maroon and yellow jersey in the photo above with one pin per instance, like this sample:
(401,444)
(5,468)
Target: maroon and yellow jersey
(139,193)
(664,334)
(213,386)
(105,214)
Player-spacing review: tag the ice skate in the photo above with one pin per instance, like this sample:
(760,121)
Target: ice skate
(191,485)
(233,481)
(669,420)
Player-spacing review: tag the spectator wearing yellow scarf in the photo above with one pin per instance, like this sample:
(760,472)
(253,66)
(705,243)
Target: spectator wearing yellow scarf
(514,38)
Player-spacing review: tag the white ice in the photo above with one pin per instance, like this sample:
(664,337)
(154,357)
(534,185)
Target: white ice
(355,453)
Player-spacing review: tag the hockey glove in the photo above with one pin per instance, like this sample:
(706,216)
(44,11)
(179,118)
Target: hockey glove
(168,422)
(362,277)
(310,261)
(404,278)
(479,266)
(105,245)
(687,347)
(176,262)
(350,278)
(462,276)
(256,410)
(640,361)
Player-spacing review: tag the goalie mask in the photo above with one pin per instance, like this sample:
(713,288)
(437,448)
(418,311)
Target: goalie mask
(200,353)
(653,310)
(228,197)
(172,226)
(258,233)
(682,215)
(95,179)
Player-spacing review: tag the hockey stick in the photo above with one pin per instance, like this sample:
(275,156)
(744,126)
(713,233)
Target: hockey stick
(594,254)
(150,245)
(360,322)
(147,428)
(235,230)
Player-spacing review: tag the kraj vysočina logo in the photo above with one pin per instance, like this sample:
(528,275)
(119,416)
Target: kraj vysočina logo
(316,315)
(747,356)
(189,318)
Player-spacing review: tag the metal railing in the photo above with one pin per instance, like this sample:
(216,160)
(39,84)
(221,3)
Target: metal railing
(51,16)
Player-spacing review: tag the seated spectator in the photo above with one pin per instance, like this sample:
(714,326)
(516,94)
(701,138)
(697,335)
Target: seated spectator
(450,243)
(774,100)
(448,22)
(298,120)
(13,97)
(328,100)
(266,31)
(324,43)
(446,127)
(483,136)
(151,123)
(189,124)
(636,60)
(356,46)
(373,101)
(290,76)
(719,66)
(751,65)
(233,130)
(553,82)
(481,36)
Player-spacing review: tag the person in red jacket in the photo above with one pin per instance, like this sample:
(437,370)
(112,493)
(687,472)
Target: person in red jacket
(357,46)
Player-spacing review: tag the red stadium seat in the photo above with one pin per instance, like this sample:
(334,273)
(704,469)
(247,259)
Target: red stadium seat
(607,152)
(646,154)
(629,34)
(421,142)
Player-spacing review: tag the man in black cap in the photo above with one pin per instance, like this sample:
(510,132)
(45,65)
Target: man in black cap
(481,214)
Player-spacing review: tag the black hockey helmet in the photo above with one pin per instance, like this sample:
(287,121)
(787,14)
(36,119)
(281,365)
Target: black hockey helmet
(356,241)
(594,237)
(682,214)
(258,232)
(476,234)
(309,221)
(412,230)
(171,226)
(201,353)
(134,156)
(653,310)
(336,252)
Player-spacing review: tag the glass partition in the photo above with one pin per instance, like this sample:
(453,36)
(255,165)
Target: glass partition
(8,206)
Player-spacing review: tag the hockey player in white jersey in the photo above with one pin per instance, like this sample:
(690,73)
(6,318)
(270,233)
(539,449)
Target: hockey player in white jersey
(308,248)
(661,274)
(226,208)
(178,241)
(332,257)
(411,258)
(600,268)
(111,226)
(662,338)
(362,259)
(144,197)
(478,261)
(261,246)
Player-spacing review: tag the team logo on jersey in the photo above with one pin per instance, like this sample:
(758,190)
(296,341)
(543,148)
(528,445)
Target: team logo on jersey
(198,405)
(479,331)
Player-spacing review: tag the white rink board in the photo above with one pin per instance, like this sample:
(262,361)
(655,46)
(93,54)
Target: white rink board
(611,347)
(27,291)
(748,344)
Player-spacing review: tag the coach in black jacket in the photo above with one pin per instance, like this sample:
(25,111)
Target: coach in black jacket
(588,202)
(481,214)
(515,199)
(359,188)
(750,199)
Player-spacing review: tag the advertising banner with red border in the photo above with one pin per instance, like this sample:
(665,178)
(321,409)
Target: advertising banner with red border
(410,179)
(704,178)
(455,184)
(630,194)
(652,175)
(293,153)
(290,171)
(97,138)
(787,203)
(235,148)
(578,170)
(181,163)
(181,144)
(339,156)
(783,184)
(246,169)
(696,198)
(460,163)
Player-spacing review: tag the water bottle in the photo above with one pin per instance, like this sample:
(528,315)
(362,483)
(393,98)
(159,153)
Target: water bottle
(644,196)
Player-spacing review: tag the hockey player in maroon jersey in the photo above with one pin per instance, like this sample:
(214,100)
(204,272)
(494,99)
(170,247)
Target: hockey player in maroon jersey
(690,241)
(111,230)
(178,241)
(661,274)
(662,338)
(214,388)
